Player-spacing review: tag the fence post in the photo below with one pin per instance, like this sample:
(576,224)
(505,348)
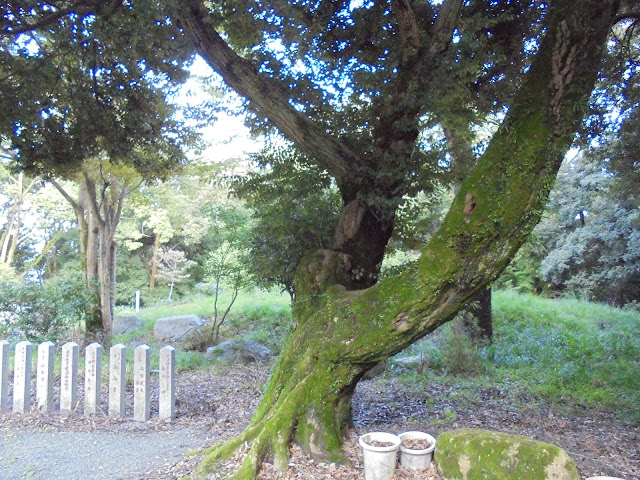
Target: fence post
(44,381)
(167,381)
(141,392)
(92,378)
(4,375)
(117,377)
(22,377)
(69,377)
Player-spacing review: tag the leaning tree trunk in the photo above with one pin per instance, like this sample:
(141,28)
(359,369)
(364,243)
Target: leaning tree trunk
(339,334)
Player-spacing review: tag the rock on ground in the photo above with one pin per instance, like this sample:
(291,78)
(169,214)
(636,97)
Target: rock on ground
(475,454)
(125,323)
(176,328)
(238,351)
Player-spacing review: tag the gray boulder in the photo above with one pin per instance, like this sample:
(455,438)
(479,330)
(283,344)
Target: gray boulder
(177,328)
(239,351)
(125,323)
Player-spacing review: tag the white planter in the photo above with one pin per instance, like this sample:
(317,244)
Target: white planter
(416,459)
(379,462)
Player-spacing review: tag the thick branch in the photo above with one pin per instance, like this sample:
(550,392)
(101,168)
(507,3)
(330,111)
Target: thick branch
(501,200)
(267,97)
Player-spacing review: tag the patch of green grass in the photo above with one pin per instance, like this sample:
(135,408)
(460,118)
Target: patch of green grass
(569,350)
(565,351)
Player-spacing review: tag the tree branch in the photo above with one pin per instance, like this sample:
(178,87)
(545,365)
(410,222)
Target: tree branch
(82,7)
(627,16)
(267,97)
(93,202)
(63,192)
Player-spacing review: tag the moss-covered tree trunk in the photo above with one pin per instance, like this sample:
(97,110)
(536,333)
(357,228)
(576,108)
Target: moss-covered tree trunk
(339,333)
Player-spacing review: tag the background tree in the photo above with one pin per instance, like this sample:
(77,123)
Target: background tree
(172,267)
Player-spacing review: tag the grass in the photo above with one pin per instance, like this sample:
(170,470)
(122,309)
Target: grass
(564,351)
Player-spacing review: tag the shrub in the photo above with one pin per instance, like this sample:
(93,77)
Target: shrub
(42,310)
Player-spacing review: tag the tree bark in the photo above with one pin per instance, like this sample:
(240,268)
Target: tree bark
(339,334)
(88,233)
(477,319)
(154,264)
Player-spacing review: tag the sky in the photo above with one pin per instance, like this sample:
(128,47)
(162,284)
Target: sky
(228,137)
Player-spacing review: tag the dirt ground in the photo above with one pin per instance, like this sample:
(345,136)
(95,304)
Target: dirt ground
(213,406)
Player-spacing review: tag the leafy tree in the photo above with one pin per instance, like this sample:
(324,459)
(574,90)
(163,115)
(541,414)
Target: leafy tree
(295,211)
(227,263)
(593,236)
(78,95)
(352,86)
(172,267)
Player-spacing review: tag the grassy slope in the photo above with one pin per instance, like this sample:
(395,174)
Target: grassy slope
(581,351)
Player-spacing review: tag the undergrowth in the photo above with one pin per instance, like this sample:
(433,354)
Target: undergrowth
(564,351)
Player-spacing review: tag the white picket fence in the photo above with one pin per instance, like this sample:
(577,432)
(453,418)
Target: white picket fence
(92,379)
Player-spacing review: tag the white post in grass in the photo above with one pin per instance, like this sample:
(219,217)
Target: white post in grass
(117,377)
(69,378)
(167,383)
(141,384)
(4,376)
(44,380)
(137,301)
(92,378)
(22,377)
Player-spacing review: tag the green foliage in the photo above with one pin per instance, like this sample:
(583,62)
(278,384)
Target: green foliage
(80,89)
(570,349)
(132,276)
(523,273)
(43,311)
(295,210)
(592,236)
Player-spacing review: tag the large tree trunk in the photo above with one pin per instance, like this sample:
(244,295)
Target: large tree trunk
(338,334)
(88,241)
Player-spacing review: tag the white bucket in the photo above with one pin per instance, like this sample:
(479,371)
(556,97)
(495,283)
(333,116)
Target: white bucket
(379,462)
(416,459)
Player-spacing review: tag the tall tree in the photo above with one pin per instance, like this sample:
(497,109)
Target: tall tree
(350,85)
(77,93)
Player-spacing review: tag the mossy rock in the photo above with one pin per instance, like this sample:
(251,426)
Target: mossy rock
(473,454)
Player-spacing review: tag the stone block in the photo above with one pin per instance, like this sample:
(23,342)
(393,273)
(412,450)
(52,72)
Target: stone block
(4,375)
(117,380)
(69,378)
(22,377)
(167,379)
(92,378)
(45,377)
(141,384)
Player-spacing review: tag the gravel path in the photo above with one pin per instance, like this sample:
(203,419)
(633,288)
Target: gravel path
(210,407)
(33,454)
